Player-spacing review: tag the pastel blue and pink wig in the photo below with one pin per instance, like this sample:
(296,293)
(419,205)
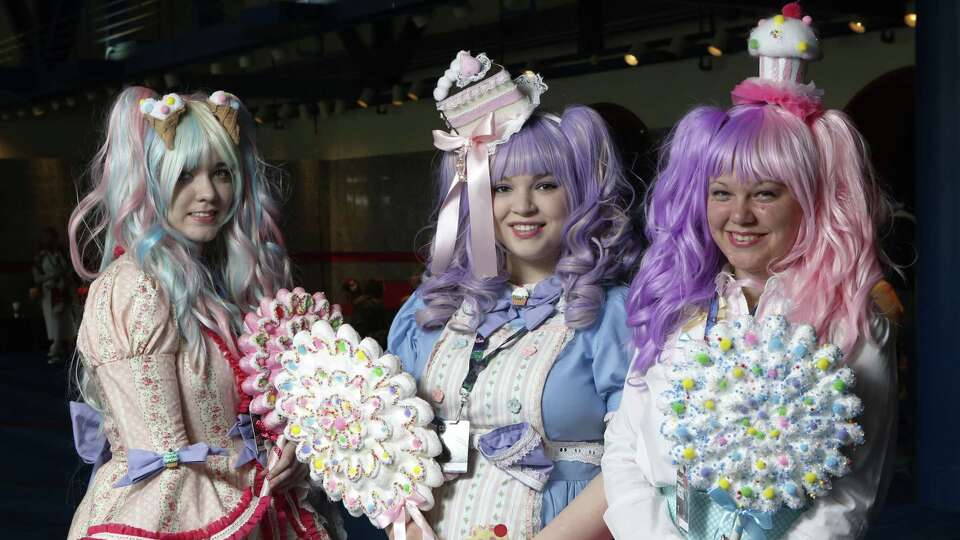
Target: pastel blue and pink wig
(597,248)
(133,177)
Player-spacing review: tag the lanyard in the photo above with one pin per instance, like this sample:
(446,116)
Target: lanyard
(479,362)
(712,316)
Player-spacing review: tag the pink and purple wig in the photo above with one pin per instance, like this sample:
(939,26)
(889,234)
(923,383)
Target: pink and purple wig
(834,261)
(597,250)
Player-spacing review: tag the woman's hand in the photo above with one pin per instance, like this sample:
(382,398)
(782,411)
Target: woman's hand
(287,471)
(413,531)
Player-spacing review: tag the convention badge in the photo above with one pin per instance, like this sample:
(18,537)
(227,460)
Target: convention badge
(455,438)
(683,494)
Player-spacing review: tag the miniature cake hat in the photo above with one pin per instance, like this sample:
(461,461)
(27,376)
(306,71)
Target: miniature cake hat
(465,93)
(483,106)
(784,44)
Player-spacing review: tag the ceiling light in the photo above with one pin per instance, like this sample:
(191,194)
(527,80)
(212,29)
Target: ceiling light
(416,88)
(397,95)
(632,56)
(365,97)
(910,16)
(719,43)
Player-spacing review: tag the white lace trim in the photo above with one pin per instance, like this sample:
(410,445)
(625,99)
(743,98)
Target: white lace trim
(532,85)
(582,451)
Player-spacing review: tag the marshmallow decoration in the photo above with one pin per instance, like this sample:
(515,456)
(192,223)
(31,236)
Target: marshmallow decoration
(268,332)
(463,70)
(470,69)
(358,424)
(762,413)
(164,115)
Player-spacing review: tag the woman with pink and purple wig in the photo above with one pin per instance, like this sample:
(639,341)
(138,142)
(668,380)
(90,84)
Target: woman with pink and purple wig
(768,207)
(518,335)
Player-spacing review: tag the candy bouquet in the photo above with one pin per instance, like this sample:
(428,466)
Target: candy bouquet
(351,409)
(758,416)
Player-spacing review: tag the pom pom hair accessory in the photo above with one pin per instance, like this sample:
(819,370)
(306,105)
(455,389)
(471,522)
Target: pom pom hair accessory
(164,114)
(784,44)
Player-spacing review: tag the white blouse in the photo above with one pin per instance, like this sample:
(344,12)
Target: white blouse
(636,462)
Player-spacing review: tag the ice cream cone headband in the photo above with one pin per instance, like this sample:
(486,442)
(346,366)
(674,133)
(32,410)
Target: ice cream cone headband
(784,43)
(164,115)
(487,108)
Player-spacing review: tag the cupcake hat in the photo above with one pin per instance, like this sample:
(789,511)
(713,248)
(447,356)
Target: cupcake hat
(484,107)
(784,44)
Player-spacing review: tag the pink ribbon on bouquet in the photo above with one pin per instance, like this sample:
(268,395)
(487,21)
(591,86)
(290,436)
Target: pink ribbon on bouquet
(398,518)
(482,240)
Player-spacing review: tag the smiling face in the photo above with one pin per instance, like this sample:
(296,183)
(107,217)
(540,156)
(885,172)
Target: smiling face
(201,200)
(753,223)
(529,212)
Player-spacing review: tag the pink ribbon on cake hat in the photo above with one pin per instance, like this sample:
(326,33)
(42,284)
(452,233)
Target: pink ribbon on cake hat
(477,178)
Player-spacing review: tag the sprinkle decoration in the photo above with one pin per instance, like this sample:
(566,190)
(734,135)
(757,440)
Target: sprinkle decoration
(762,412)
(357,422)
(489,532)
(267,333)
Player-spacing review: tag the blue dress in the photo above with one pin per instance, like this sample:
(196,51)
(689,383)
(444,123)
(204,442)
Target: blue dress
(582,389)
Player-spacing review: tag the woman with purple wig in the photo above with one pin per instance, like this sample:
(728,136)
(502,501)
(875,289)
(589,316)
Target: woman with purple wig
(518,335)
(768,207)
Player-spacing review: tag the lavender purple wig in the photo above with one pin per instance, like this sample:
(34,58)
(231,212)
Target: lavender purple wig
(834,261)
(598,249)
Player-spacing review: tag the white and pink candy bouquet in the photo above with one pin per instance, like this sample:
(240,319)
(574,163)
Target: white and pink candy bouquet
(351,409)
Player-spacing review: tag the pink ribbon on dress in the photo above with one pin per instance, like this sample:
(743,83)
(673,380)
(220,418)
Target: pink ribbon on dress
(482,240)
(398,518)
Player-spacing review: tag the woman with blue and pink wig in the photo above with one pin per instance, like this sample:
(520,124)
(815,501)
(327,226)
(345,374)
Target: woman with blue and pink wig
(518,335)
(182,214)
(768,207)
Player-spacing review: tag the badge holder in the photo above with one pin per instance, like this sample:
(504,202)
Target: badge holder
(455,438)
(683,492)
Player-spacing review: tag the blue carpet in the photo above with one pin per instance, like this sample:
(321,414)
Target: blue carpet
(38,496)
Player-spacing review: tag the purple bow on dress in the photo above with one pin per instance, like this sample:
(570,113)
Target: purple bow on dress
(518,450)
(539,307)
(142,464)
(249,452)
(88,439)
